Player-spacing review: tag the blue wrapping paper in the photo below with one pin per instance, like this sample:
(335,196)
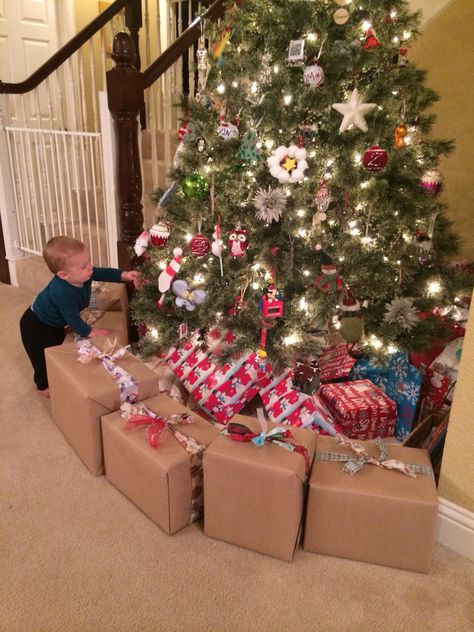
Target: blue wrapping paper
(400,380)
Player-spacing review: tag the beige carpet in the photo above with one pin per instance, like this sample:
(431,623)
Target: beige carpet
(77,556)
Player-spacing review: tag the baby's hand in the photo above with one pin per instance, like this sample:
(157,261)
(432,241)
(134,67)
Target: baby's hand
(98,331)
(132,276)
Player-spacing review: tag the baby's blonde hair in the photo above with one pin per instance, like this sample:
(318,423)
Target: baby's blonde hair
(58,250)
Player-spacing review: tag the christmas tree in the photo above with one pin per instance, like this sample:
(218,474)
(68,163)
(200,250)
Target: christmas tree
(304,198)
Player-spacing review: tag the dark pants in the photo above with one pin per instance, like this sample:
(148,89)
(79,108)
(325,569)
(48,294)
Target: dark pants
(36,337)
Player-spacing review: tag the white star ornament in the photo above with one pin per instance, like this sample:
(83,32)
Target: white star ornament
(353,112)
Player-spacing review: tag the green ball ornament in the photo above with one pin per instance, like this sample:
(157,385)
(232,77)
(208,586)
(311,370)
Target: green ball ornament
(195,186)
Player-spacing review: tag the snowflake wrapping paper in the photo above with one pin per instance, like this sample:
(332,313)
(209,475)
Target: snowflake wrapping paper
(361,408)
(401,381)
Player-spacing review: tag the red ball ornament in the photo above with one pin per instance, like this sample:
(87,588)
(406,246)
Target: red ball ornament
(199,245)
(375,158)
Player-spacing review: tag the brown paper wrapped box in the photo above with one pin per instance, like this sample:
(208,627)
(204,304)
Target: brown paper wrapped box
(82,393)
(111,297)
(254,495)
(116,322)
(376,515)
(157,480)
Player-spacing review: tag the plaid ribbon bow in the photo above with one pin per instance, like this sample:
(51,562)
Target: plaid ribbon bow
(354,464)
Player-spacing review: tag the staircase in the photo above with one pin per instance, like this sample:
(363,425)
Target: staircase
(162,139)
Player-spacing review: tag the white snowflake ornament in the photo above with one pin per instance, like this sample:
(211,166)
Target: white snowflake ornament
(353,112)
(288,164)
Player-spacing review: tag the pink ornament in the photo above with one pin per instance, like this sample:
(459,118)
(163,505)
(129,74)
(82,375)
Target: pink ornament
(432,181)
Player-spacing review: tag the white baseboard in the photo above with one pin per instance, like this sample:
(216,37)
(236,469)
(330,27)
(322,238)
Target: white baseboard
(455,528)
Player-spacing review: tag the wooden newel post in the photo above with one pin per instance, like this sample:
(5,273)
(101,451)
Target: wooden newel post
(125,100)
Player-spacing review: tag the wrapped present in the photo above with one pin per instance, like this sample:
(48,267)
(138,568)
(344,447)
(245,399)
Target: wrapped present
(82,393)
(254,490)
(447,362)
(109,297)
(335,363)
(401,381)
(361,408)
(220,390)
(377,515)
(434,389)
(115,322)
(153,454)
(286,405)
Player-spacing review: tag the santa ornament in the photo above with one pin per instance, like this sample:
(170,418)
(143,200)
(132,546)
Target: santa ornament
(238,241)
(141,243)
(352,325)
(328,280)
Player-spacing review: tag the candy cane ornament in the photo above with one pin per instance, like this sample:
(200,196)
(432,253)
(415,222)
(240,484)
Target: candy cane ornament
(172,268)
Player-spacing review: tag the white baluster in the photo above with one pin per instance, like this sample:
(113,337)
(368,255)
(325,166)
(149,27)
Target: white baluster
(15,170)
(93,87)
(82,93)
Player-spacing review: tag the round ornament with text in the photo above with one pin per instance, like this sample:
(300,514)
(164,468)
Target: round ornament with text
(313,75)
(375,158)
(227,131)
(199,245)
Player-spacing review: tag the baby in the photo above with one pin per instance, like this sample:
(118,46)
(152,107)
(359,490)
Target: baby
(59,304)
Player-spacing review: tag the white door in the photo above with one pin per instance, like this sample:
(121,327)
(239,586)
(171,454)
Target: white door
(28,37)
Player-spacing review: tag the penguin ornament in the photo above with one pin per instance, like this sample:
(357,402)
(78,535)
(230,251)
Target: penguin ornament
(352,324)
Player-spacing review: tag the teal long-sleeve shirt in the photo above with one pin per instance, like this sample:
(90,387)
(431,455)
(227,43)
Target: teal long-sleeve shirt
(60,303)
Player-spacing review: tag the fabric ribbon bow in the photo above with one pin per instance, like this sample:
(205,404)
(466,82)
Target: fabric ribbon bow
(277,436)
(140,415)
(128,385)
(354,464)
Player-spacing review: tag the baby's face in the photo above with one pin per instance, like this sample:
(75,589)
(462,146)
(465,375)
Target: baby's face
(78,269)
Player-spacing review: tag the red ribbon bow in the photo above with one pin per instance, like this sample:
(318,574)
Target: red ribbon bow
(156,425)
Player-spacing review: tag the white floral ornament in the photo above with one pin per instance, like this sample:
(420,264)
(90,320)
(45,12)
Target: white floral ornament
(402,312)
(270,204)
(288,164)
(353,112)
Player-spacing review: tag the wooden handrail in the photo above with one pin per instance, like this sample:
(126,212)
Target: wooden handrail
(182,44)
(65,52)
